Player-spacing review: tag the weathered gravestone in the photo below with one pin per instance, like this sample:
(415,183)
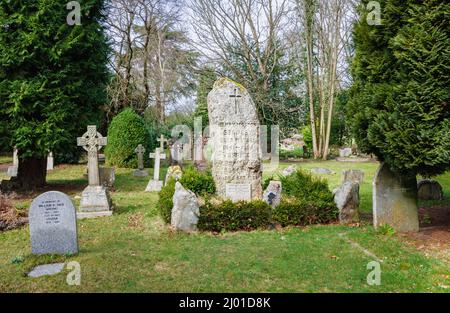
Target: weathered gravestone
(356,176)
(53,224)
(12,170)
(345,152)
(140,172)
(395,200)
(155,184)
(346,198)
(50,162)
(272,194)
(234,139)
(428,189)
(185,211)
(95,199)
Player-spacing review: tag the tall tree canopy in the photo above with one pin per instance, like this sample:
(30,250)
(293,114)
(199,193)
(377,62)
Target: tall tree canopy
(52,79)
(400,107)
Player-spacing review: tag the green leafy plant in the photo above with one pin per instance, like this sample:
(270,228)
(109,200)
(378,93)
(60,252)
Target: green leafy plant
(165,202)
(229,216)
(294,154)
(386,230)
(126,131)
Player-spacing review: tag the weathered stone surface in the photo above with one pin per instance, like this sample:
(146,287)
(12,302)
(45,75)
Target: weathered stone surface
(347,201)
(46,269)
(318,170)
(140,172)
(95,199)
(175,172)
(291,169)
(272,194)
(428,189)
(12,171)
(53,226)
(238,192)
(395,200)
(356,176)
(107,176)
(185,211)
(234,138)
(154,186)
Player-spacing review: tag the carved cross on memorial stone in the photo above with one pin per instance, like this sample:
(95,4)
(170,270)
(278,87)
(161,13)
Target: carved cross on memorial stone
(140,150)
(235,96)
(92,141)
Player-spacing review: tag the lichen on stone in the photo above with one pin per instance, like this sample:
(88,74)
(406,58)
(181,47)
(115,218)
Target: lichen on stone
(221,81)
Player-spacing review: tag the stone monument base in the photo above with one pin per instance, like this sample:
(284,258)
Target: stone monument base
(95,202)
(12,171)
(154,185)
(140,173)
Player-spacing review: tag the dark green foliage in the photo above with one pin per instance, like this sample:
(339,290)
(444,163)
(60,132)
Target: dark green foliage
(295,154)
(229,216)
(52,75)
(126,131)
(293,211)
(165,202)
(306,200)
(400,100)
(198,182)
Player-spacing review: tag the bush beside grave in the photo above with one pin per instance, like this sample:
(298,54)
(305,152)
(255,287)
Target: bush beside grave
(307,200)
(201,183)
(229,216)
(126,132)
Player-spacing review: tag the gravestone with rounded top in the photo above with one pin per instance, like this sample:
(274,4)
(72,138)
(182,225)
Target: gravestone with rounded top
(235,141)
(395,200)
(53,224)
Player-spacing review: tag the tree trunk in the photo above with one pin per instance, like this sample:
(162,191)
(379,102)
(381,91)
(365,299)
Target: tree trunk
(31,174)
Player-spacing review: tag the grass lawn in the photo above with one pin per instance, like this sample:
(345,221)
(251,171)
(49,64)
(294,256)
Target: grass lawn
(133,251)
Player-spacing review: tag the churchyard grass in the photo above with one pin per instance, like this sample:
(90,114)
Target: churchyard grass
(133,251)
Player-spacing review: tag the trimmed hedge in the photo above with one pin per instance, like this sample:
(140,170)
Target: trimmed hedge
(306,200)
(126,131)
(229,216)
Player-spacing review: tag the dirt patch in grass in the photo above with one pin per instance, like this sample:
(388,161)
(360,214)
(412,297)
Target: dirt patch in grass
(10,217)
(432,241)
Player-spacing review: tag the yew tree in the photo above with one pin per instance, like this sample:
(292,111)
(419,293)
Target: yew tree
(400,100)
(52,79)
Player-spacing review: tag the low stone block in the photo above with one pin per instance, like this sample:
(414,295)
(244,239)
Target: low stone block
(95,199)
(154,185)
(272,194)
(140,173)
(185,211)
(346,198)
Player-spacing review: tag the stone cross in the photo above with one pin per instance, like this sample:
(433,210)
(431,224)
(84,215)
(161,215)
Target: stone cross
(140,150)
(162,140)
(235,96)
(92,141)
(157,156)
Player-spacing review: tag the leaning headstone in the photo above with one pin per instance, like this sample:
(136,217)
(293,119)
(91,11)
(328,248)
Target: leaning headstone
(155,184)
(234,139)
(50,162)
(185,211)
(95,199)
(356,176)
(53,224)
(395,200)
(428,189)
(272,194)
(346,198)
(140,172)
